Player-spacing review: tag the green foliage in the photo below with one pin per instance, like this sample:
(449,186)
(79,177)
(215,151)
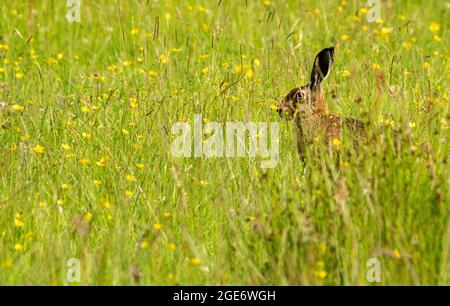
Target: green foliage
(86,169)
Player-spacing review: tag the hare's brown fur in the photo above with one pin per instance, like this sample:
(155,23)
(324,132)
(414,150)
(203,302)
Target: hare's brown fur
(306,105)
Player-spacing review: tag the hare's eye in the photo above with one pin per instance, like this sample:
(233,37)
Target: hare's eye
(299,96)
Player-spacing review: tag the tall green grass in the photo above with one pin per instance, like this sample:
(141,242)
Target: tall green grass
(98,100)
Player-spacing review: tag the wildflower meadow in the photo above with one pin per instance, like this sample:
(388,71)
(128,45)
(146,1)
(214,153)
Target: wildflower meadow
(95,96)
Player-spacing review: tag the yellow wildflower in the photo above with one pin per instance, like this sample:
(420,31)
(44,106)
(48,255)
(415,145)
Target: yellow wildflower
(321,274)
(87,217)
(145,244)
(18,247)
(164,59)
(17,107)
(153,74)
(196,261)
(85,161)
(106,204)
(25,137)
(18,221)
(345,73)
(130,178)
(39,149)
(337,143)
(157,226)
(86,135)
(407,45)
(434,27)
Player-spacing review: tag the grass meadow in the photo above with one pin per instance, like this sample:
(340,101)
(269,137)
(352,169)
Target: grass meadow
(87,173)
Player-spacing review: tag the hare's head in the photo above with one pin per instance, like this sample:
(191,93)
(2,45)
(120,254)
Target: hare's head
(309,98)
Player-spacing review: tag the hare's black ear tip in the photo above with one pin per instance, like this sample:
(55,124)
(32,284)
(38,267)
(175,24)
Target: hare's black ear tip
(327,50)
(331,51)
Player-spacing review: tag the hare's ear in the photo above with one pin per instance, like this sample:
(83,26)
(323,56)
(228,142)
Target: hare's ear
(322,66)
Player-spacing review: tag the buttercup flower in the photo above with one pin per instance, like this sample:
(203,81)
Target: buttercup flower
(164,59)
(39,149)
(434,27)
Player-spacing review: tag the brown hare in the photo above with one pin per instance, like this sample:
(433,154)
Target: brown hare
(307,107)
